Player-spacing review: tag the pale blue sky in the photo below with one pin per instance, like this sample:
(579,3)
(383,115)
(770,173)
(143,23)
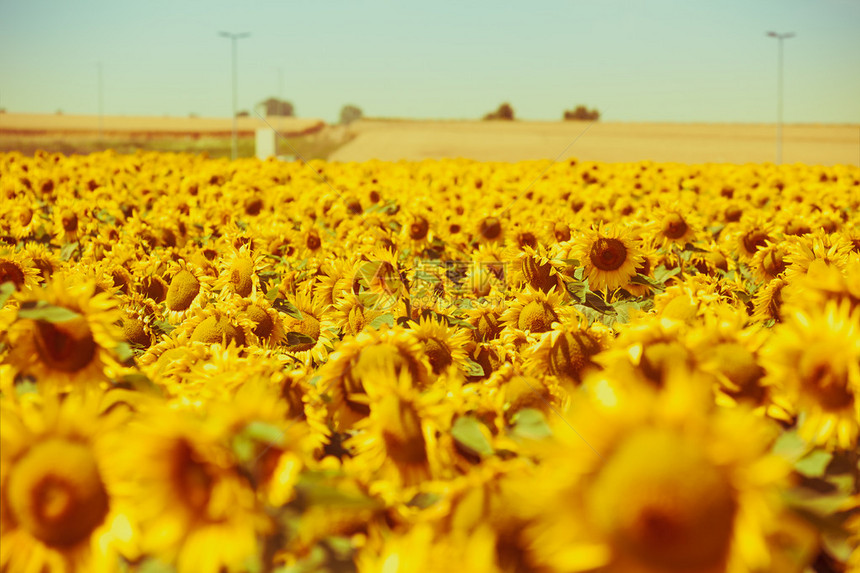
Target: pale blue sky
(662,60)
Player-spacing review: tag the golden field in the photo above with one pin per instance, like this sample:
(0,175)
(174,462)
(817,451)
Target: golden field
(603,141)
(370,366)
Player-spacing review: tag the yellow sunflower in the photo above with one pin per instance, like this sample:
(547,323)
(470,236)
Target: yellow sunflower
(566,351)
(18,268)
(189,289)
(815,358)
(535,311)
(65,335)
(443,345)
(349,371)
(239,272)
(652,482)
(314,324)
(609,257)
(59,511)
(195,508)
(398,441)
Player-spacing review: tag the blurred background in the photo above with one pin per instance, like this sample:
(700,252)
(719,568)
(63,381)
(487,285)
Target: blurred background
(663,80)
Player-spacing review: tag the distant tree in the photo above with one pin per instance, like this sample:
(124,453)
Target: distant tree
(505,112)
(582,113)
(275,107)
(350,113)
(243,113)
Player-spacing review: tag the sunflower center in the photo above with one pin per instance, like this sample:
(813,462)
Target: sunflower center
(134,332)
(262,320)
(537,274)
(773,263)
(25,216)
(313,241)
(439,355)
(561,232)
(218,329)
(827,383)
(739,365)
(674,226)
(183,289)
(11,272)
(69,221)
(536,316)
(241,273)
(155,288)
(488,327)
(571,353)
(191,477)
(418,230)
(664,504)
(490,228)
(66,346)
(56,493)
(404,439)
(754,240)
(608,254)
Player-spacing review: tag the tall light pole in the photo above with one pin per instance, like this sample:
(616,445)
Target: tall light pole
(234,38)
(101,103)
(780,38)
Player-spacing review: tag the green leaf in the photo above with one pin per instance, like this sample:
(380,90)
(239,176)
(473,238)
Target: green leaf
(473,368)
(163,327)
(814,464)
(531,424)
(140,383)
(285,306)
(41,310)
(317,491)
(423,500)
(263,432)
(6,290)
(592,300)
(123,352)
(297,338)
(272,294)
(68,250)
(789,446)
(661,274)
(467,432)
(377,322)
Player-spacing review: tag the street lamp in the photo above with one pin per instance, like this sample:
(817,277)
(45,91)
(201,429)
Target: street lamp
(779,37)
(233,38)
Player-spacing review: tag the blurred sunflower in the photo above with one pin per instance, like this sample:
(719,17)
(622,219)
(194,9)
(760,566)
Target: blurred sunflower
(18,268)
(59,507)
(535,311)
(815,358)
(194,507)
(65,335)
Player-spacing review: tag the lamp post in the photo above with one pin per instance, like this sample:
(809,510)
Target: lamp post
(780,38)
(101,103)
(234,38)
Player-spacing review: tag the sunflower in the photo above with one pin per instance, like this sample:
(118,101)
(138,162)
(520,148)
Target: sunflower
(59,507)
(444,345)
(654,482)
(566,351)
(609,257)
(675,228)
(268,325)
(18,268)
(753,233)
(189,290)
(239,272)
(769,261)
(315,324)
(486,320)
(815,357)
(218,323)
(349,372)
(767,302)
(489,229)
(533,267)
(351,315)
(45,260)
(398,441)
(819,248)
(535,311)
(195,508)
(65,335)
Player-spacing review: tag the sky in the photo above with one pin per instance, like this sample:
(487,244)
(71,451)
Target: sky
(654,61)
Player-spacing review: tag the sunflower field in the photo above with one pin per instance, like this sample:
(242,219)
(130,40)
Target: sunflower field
(260,366)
